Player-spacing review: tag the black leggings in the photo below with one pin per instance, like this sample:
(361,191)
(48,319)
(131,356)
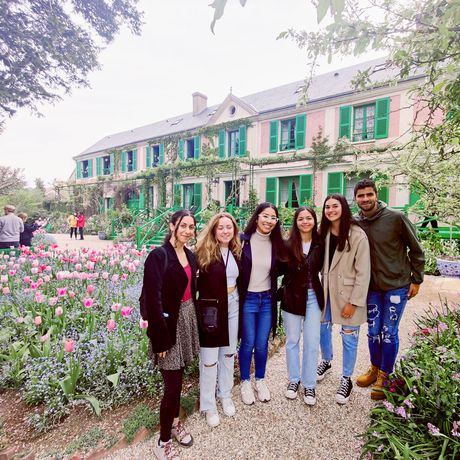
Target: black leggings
(72,230)
(170,404)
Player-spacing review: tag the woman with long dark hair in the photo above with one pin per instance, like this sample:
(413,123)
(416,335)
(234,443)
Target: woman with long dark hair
(263,247)
(169,292)
(302,301)
(346,276)
(218,255)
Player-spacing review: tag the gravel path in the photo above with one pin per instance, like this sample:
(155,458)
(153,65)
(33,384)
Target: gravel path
(285,429)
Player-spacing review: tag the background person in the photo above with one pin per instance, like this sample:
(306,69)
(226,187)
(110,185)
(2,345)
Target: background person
(11,227)
(73,221)
(263,246)
(25,238)
(397,272)
(218,255)
(80,224)
(302,301)
(346,275)
(169,288)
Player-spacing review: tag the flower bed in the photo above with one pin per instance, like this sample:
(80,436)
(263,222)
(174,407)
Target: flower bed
(421,418)
(71,329)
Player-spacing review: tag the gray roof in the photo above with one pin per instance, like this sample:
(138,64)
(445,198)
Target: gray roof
(325,86)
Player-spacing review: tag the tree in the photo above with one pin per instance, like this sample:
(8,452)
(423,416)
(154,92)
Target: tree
(47,47)
(40,185)
(11,180)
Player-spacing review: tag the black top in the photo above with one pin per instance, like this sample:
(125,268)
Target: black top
(332,247)
(25,239)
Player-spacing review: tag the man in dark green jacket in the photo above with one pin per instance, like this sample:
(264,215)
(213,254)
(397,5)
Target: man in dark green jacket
(397,261)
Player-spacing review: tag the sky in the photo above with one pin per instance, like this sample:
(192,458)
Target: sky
(147,78)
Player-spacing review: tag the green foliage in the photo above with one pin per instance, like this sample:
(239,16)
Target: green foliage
(420,418)
(51,46)
(26,200)
(189,401)
(434,248)
(140,417)
(11,179)
(89,441)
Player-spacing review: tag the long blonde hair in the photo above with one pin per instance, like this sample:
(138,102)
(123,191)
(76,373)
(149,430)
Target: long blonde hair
(208,248)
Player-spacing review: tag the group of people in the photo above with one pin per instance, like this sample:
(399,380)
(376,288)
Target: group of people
(76,221)
(344,271)
(16,230)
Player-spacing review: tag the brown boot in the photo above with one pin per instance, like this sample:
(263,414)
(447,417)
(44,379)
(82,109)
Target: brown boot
(368,378)
(377,393)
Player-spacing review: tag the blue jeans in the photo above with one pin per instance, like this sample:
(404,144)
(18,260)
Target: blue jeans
(384,312)
(350,338)
(311,332)
(256,325)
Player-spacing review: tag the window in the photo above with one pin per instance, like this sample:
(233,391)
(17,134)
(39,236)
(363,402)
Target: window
(189,148)
(365,122)
(85,168)
(290,192)
(106,165)
(233,143)
(155,155)
(128,160)
(191,196)
(288,187)
(188,196)
(232,192)
(287,134)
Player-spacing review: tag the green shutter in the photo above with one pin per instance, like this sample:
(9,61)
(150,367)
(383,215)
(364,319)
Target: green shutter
(222,143)
(242,141)
(181,149)
(78,170)
(112,163)
(414,196)
(300,128)
(196,147)
(162,153)
(98,166)
(197,196)
(148,157)
(305,186)
(382,112)
(123,161)
(141,198)
(135,160)
(383,194)
(177,195)
(273,136)
(101,205)
(335,183)
(270,189)
(110,204)
(345,122)
(90,168)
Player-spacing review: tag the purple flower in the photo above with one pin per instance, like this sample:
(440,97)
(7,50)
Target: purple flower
(376,434)
(455,429)
(401,412)
(408,403)
(456,376)
(442,326)
(433,430)
(389,406)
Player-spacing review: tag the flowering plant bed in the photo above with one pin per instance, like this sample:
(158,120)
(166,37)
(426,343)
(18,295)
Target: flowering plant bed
(421,418)
(71,331)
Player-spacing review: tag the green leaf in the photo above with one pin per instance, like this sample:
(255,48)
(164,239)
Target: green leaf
(323,6)
(67,386)
(93,401)
(114,378)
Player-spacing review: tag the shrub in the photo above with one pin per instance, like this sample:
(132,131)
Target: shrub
(140,417)
(420,418)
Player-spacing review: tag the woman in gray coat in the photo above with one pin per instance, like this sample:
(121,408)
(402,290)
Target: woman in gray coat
(346,274)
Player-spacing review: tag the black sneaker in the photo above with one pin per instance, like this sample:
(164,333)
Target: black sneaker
(309,396)
(344,391)
(291,391)
(324,367)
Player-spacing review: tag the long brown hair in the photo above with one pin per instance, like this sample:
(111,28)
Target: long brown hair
(294,241)
(208,248)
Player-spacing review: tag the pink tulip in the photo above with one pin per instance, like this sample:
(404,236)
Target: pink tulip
(131,267)
(27,279)
(52,301)
(90,289)
(58,311)
(124,276)
(115,277)
(61,291)
(71,294)
(105,275)
(20,319)
(6,290)
(115,307)
(33,286)
(39,297)
(40,281)
(143,324)
(46,278)
(88,303)
(78,267)
(12,272)
(37,320)
(4,279)
(111,325)
(48,268)
(44,338)
(69,345)
(34,270)
(126,311)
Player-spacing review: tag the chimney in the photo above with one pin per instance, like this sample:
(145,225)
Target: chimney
(200,102)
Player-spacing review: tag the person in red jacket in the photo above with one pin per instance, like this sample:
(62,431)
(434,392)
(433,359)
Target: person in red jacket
(81,224)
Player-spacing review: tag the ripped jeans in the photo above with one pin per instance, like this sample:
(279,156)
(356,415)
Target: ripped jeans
(384,312)
(349,342)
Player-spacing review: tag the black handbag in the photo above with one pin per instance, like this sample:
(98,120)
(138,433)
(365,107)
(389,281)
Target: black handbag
(208,315)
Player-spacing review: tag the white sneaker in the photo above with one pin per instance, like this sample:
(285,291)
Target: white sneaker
(263,393)
(291,391)
(165,450)
(247,394)
(212,418)
(228,407)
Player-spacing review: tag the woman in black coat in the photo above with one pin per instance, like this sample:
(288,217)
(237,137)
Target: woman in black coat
(302,302)
(218,255)
(169,291)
